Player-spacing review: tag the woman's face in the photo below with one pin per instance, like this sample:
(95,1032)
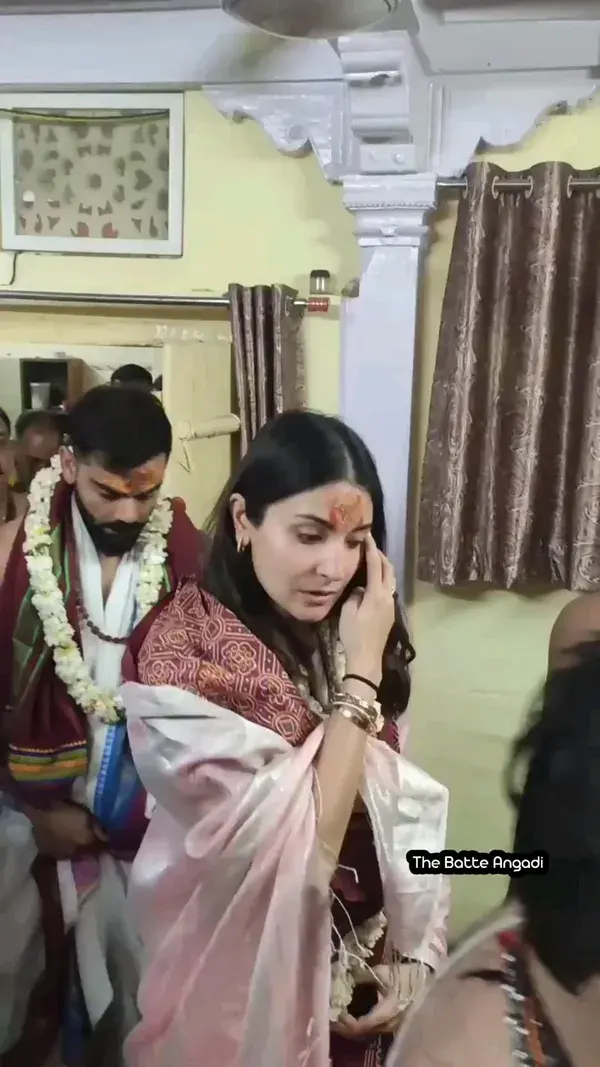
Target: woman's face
(308,547)
(4,432)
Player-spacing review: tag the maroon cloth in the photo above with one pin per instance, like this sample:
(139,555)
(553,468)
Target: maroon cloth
(47,717)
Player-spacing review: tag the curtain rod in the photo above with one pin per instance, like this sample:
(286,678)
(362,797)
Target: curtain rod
(510,185)
(16,298)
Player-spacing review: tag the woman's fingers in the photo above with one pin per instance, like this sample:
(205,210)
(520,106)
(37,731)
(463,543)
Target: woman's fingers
(384,1018)
(388,575)
(346,1026)
(374,568)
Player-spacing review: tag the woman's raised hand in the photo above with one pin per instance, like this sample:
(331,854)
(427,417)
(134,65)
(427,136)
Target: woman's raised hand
(368,616)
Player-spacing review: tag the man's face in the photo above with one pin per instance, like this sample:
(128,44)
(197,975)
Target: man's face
(114,507)
(34,451)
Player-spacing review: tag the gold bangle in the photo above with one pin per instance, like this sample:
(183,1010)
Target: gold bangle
(365,724)
(368,706)
(373,716)
(371,710)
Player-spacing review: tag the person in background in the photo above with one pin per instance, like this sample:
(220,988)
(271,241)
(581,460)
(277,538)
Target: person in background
(524,991)
(5,427)
(37,440)
(280,922)
(132,376)
(6,504)
(578,622)
(99,547)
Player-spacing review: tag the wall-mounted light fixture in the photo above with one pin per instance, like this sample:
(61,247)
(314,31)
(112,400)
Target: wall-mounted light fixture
(320,283)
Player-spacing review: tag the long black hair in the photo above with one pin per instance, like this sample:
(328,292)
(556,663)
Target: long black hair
(294,453)
(558,811)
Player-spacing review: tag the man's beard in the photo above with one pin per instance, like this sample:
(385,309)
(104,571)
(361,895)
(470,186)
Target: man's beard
(110,538)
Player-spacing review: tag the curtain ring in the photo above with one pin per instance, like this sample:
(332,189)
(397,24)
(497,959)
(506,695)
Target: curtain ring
(495,192)
(569,186)
(529,190)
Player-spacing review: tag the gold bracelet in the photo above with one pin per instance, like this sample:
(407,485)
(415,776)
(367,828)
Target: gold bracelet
(357,719)
(371,709)
(363,712)
(368,706)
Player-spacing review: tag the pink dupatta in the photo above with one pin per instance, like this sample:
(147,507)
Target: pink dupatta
(230,886)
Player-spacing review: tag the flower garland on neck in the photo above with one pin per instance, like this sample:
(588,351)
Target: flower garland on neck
(48,599)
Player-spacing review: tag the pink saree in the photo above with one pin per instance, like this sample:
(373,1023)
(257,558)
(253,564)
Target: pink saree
(230,886)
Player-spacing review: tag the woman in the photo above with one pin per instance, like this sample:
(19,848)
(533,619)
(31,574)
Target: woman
(268,906)
(526,989)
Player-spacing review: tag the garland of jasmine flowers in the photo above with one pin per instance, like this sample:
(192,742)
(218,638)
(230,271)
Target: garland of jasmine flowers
(48,599)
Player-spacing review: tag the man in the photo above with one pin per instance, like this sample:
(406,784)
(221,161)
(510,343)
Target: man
(96,551)
(38,438)
(132,376)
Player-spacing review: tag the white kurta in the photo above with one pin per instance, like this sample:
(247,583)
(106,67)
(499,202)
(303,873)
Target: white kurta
(108,949)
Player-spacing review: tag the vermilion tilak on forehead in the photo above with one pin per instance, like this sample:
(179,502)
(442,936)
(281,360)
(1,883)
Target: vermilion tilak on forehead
(347,510)
(142,480)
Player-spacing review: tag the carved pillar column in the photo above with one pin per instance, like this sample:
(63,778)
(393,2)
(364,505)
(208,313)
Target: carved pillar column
(378,330)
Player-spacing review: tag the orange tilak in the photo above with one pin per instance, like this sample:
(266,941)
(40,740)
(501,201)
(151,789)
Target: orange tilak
(142,480)
(347,511)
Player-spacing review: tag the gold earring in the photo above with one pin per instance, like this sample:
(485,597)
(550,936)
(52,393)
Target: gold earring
(240,544)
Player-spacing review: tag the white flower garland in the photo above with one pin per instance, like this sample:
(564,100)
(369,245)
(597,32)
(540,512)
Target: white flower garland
(48,600)
(354,951)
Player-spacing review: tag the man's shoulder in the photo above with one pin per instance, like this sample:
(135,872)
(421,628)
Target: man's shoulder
(187,545)
(8,535)
(179,507)
(181,516)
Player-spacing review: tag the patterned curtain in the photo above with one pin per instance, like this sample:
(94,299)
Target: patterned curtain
(269,362)
(511,480)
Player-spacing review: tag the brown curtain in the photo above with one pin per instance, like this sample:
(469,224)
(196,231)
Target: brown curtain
(511,480)
(269,362)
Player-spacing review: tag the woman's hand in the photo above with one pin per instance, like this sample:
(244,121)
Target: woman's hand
(384,1018)
(368,616)
(64,830)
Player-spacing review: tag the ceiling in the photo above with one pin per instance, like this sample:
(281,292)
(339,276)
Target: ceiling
(26,7)
(467,10)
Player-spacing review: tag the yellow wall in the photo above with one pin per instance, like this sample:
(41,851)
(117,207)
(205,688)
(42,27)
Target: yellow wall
(481,658)
(251,216)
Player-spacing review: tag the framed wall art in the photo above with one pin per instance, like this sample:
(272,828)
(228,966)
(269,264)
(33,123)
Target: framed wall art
(98,173)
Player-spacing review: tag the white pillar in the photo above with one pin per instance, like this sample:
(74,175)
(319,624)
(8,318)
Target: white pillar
(379,327)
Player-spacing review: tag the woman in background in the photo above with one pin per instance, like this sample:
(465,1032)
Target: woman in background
(525,990)
(274,896)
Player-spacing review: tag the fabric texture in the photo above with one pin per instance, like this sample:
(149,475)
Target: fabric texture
(268,357)
(230,887)
(510,488)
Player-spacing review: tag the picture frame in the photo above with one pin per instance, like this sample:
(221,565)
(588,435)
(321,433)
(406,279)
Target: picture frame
(159,236)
